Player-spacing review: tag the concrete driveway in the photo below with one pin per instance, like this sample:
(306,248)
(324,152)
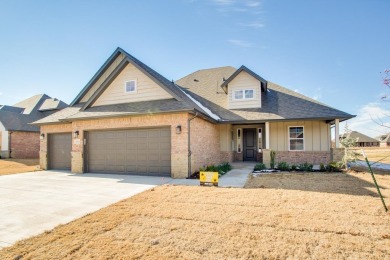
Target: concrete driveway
(31,203)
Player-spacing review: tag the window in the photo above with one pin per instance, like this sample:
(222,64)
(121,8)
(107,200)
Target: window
(259,140)
(244,94)
(239,140)
(296,138)
(131,86)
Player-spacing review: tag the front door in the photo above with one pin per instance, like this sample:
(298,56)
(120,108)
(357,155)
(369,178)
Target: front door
(249,144)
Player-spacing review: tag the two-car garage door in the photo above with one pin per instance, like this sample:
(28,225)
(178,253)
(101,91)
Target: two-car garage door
(130,151)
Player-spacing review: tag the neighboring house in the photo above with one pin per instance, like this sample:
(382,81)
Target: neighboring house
(384,140)
(130,119)
(362,140)
(18,138)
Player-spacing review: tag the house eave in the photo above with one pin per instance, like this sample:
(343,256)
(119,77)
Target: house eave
(249,122)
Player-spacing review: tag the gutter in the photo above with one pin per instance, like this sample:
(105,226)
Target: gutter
(189,142)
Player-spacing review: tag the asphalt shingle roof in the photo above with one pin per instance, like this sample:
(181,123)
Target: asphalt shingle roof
(278,103)
(19,116)
(361,137)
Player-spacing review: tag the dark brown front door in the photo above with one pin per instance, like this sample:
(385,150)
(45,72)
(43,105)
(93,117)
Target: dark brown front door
(249,144)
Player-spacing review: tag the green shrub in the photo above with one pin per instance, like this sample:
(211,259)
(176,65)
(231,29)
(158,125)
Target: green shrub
(221,168)
(259,167)
(224,168)
(212,168)
(283,166)
(322,167)
(272,154)
(333,167)
(294,167)
(307,167)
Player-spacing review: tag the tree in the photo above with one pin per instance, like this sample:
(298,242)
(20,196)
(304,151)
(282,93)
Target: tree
(386,81)
(348,142)
(385,97)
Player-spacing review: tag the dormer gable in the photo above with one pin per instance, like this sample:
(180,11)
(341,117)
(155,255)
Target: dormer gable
(244,89)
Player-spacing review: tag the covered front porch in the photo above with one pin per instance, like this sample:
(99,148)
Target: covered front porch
(293,142)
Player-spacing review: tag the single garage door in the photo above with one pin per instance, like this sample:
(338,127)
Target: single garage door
(135,151)
(60,147)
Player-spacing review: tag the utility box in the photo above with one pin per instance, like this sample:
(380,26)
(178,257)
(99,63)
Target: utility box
(208,178)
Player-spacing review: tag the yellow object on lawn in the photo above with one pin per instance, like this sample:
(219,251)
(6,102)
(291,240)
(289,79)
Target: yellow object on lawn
(208,178)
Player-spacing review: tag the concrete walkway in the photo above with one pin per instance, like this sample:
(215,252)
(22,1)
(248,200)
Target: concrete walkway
(238,175)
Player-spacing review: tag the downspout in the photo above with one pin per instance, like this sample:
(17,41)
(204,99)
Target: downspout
(189,142)
(9,144)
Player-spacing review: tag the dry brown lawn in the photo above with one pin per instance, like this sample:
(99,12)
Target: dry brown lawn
(375,153)
(317,216)
(11,166)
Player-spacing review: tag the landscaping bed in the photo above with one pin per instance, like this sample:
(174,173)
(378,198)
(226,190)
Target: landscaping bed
(298,216)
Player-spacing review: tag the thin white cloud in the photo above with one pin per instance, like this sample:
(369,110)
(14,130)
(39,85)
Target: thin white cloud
(241,43)
(223,2)
(1,93)
(369,119)
(253,3)
(253,25)
(318,94)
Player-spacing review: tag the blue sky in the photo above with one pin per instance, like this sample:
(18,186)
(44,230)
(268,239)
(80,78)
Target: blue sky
(332,51)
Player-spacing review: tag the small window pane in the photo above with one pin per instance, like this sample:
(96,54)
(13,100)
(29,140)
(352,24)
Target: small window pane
(296,132)
(296,145)
(130,86)
(238,94)
(249,93)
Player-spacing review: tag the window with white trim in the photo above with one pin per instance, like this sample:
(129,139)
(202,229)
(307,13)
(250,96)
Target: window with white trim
(244,94)
(239,140)
(296,138)
(131,86)
(259,139)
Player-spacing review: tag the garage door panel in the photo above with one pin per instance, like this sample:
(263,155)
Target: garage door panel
(133,151)
(60,147)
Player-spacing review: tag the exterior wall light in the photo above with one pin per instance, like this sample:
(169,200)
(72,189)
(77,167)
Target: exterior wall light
(42,136)
(76,134)
(178,129)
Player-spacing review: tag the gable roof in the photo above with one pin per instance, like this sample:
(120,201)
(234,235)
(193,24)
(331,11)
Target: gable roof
(383,138)
(198,92)
(278,103)
(167,85)
(243,68)
(19,116)
(361,137)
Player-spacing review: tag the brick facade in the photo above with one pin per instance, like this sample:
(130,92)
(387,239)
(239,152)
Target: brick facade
(337,154)
(205,145)
(24,145)
(239,157)
(301,157)
(227,157)
(179,142)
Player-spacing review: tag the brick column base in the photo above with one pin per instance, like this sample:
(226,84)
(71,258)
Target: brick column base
(77,162)
(267,158)
(43,160)
(336,154)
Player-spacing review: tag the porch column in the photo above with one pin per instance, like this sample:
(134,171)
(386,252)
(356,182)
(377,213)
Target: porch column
(267,135)
(336,133)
